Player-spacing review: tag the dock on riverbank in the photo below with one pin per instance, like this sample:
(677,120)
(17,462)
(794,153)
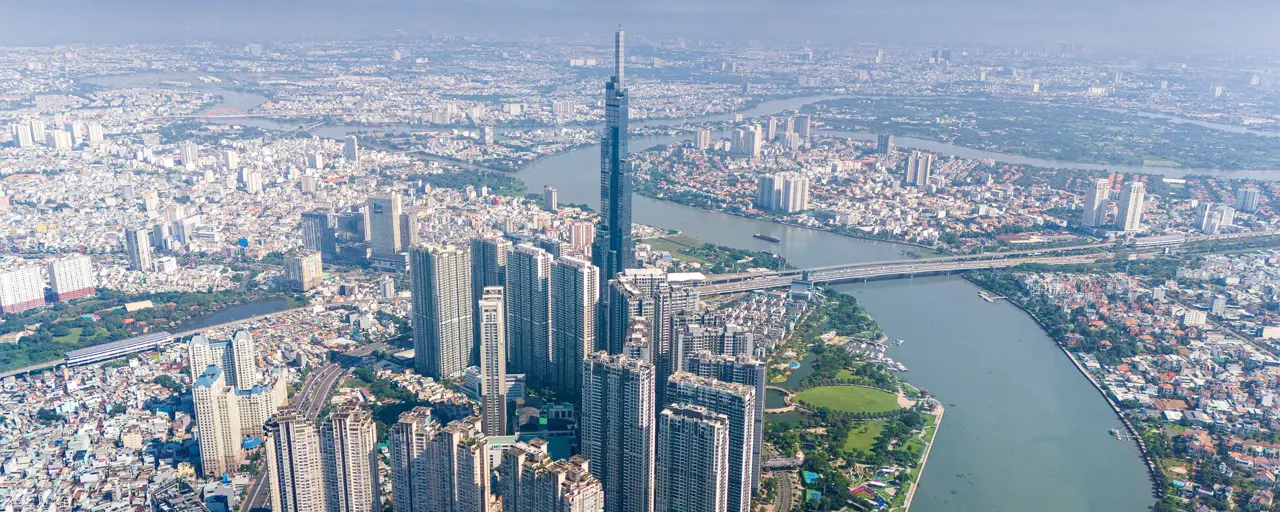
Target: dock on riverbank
(1153,469)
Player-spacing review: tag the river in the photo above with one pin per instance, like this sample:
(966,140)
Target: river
(1023,431)
(244,102)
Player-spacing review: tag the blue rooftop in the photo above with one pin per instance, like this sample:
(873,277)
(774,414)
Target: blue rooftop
(210,376)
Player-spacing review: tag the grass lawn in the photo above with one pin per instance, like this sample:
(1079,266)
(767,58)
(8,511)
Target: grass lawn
(76,336)
(930,424)
(1177,468)
(676,249)
(71,337)
(863,435)
(849,399)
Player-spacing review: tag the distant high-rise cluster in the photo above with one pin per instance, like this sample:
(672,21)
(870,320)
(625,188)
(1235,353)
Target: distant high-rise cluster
(786,192)
(1215,218)
(702,139)
(884,144)
(1095,203)
(1248,199)
(670,397)
(1129,218)
(747,141)
(919,167)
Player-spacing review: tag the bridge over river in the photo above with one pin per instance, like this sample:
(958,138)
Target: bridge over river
(867,271)
(885,270)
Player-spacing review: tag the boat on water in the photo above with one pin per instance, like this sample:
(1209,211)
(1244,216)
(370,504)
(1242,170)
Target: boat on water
(767,238)
(986,296)
(900,341)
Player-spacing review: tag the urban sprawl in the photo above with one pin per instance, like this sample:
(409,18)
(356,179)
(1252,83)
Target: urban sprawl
(304,276)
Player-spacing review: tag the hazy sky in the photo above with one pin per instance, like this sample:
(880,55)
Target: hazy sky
(1151,24)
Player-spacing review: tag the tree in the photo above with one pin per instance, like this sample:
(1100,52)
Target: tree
(170,383)
(49,416)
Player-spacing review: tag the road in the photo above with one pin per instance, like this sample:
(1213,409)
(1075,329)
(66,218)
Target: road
(311,397)
(787,486)
(1093,248)
(882,271)
(176,336)
(328,377)
(720,278)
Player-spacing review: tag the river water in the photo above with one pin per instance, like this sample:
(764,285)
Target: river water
(234,313)
(244,102)
(1023,430)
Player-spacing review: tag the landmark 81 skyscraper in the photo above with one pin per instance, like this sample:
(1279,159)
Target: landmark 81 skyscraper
(614,250)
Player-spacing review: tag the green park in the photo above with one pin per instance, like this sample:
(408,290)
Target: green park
(851,399)
(852,417)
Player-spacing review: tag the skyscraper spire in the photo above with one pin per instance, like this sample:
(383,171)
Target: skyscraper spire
(619,55)
(614,249)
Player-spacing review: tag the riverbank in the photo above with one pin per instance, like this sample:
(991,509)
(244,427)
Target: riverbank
(1153,469)
(939,411)
(981,125)
(1066,461)
(795,225)
(854,410)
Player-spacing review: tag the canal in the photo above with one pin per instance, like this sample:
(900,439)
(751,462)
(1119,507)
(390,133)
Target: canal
(232,314)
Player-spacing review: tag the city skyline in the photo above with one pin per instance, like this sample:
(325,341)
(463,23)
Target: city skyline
(235,273)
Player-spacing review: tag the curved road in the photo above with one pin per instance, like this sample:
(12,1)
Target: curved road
(310,398)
